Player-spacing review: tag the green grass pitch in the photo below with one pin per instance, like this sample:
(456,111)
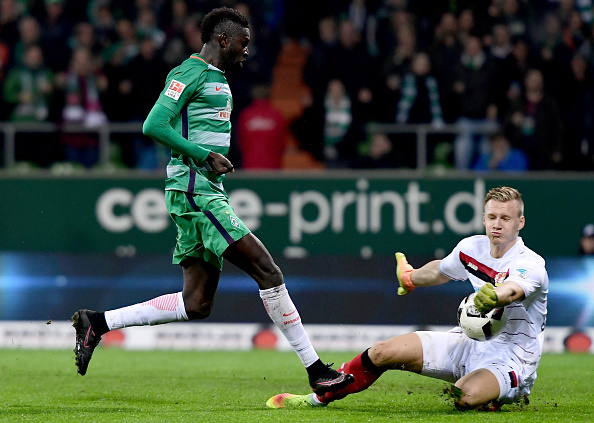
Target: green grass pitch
(221,386)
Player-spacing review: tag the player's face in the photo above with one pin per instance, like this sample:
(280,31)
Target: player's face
(502,223)
(237,51)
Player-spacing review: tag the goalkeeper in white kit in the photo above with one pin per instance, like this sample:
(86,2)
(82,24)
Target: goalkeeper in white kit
(486,375)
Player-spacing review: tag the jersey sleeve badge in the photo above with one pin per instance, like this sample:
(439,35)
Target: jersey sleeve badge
(175,89)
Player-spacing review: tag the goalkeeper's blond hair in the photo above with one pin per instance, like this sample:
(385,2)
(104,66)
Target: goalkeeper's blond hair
(505,194)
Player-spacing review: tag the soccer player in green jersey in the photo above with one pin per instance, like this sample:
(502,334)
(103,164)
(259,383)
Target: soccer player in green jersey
(192,117)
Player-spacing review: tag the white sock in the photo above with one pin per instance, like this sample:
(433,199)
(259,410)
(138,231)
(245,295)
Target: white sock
(316,399)
(164,309)
(285,316)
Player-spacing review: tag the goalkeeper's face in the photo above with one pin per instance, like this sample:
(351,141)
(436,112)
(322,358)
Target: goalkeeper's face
(502,222)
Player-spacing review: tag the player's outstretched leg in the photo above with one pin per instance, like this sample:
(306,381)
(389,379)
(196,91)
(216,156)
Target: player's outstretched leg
(365,373)
(88,335)
(326,379)
(293,401)
(360,368)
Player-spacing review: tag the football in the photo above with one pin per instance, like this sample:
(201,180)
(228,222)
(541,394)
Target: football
(477,325)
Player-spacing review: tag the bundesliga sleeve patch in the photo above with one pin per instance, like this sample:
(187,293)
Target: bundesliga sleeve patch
(175,89)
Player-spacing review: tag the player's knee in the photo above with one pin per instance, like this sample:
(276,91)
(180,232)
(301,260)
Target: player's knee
(198,311)
(384,354)
(471,399)
(270,275)
(396,353)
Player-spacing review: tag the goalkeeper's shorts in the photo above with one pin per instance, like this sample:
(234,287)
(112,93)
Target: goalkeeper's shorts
(451,355)
(206,226)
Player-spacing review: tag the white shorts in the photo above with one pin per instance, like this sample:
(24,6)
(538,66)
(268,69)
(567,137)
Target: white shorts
(451,355)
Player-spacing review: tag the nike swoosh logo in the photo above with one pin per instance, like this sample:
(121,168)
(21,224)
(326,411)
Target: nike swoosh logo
(286,315)
(86,343)
(218,88)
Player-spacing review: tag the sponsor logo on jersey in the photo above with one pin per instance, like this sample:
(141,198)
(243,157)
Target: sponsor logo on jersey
(226,114)
(482,271)
(175,89)
(218,88)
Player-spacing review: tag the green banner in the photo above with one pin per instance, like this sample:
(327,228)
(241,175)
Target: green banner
(294,215)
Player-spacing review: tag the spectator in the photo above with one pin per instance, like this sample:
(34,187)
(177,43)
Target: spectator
(262,132)
(29,34)
(445,54)
(315,72)
(10,11)
(519,62)
(82,84)
(174,18)
(126,46)
(117,97)
(501,50)
(587,241)
(28,90)
(533,124)
(419,103)
(466,25)
(361,14)
(555,55)
(146,27)
(501,156)
(576,105)
(575,31)
(142,83)
(352,65)
(338,118)
(474,85)
(390,18)
(395,67)
(84,36)
(103,21)
(515,17)
(56,29)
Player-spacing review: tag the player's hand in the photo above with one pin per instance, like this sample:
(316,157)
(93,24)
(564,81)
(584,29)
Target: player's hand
(403,273)
(219,163)
(485,299)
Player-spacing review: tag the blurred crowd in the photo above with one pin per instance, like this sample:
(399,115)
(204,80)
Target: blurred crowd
(514,76)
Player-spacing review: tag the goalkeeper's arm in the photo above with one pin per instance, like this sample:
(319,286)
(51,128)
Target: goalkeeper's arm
(489,297)
(410,278)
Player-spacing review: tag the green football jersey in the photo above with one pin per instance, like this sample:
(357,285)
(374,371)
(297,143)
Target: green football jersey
(199,96)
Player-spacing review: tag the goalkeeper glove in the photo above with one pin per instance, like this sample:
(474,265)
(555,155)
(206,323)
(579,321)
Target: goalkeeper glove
(403,273)
(485,299)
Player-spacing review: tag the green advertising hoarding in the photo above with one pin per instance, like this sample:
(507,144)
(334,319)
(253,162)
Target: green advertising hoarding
(295,215)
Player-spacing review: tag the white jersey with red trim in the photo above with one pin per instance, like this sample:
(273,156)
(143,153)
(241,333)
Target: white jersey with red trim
(526,319)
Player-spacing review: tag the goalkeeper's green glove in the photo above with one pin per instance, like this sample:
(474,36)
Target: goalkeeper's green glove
(403,273)
(485,299)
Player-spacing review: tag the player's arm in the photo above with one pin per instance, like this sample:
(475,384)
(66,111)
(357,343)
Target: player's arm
(158,127)
(411,278)
(489,297)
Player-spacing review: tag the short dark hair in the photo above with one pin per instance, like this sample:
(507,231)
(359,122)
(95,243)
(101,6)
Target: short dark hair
(221,20)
